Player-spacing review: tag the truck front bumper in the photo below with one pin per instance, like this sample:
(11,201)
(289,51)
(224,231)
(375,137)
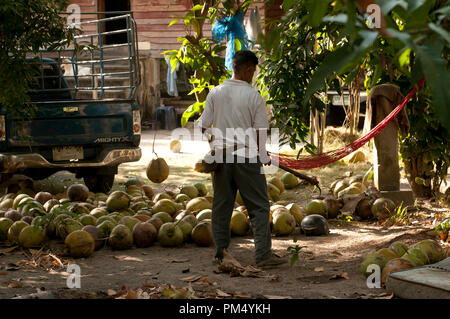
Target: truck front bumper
(12,163)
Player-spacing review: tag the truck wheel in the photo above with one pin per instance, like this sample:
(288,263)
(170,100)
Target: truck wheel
(99,183)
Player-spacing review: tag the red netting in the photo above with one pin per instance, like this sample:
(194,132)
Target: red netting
(318,160)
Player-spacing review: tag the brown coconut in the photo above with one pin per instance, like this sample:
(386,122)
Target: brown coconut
(96,234)
(144,234)
(157,170)
(77,193)
(395,265)
(202,234)
(43,197)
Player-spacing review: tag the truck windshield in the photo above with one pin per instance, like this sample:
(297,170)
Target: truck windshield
(48,84)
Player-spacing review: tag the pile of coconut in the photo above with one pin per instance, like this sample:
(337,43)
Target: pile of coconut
(85,221)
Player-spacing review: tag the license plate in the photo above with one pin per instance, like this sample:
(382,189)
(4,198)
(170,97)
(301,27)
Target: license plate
(67,153)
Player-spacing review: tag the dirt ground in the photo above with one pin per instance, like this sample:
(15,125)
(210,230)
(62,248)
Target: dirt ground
(328,267)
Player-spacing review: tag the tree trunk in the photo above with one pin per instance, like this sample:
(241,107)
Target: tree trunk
(417,170)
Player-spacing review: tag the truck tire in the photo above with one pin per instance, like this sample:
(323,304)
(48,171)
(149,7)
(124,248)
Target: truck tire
(99,183)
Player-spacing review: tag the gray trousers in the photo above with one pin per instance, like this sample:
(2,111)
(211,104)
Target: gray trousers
(252,186)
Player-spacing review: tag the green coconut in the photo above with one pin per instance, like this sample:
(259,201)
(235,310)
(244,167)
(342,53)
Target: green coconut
(413,259)
(273,192)
(182,198)
(117,200)
(165,217)
(190,191)
(297,211)
(80,244)
(316,206)
(18,198)
(283,224)
(202,191)
(14,231)
(204,214)
(289,180)
(129,221)
(6,204)
(121,237)
(399,248)
(170,235)
(78,209)
(202,234)
(340,185)
(161,196)
(389,253)
(136,206)
(5,224)
(135,180)
(191,219)
(186,228)
(431,249)
(198,204)
(106,228)
(383,208)
(50,203)
(31,236)
(67,226)
(101,219)
(277,182)
(164,205)
(419,254)
(373,258)
(239,224)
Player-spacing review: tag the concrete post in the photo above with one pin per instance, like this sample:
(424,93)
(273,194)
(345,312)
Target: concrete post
(383,99)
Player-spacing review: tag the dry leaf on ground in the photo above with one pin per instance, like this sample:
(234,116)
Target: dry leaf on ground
(8,250)
(277,297)
(127,258)
(340,276)
(174,260)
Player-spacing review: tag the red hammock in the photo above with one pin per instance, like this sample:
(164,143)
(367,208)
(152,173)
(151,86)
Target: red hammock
(318,160)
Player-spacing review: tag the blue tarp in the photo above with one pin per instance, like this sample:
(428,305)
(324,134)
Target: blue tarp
(233,29)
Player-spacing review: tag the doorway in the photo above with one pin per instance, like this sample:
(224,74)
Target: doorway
(113,6)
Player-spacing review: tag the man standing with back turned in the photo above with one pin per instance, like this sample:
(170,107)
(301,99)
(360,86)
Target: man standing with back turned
(236,107)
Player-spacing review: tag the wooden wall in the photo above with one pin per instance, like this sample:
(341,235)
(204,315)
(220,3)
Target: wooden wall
(153,18)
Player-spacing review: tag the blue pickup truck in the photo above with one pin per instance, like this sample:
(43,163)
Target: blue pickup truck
(88,135)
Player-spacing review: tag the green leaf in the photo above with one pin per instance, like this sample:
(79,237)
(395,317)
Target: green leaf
(294,258)
(237,45)
(415,4)
(443,33)
(437,76)
(404,58)
(197,107)
(174,21)
(287,4)
(317,10)
(197,7)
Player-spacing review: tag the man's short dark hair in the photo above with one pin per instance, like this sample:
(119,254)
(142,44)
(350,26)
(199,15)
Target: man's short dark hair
(242,58)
